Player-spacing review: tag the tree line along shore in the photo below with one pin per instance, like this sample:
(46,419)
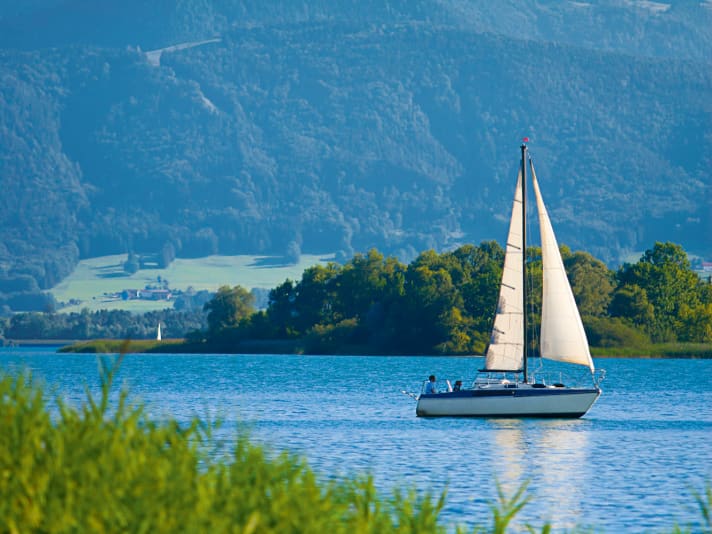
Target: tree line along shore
(443,304)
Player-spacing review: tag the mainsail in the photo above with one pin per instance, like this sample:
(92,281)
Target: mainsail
(506,348)
(562,335)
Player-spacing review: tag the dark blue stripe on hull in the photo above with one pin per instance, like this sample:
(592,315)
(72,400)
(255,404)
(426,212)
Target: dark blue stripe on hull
(514,416)
(508,392)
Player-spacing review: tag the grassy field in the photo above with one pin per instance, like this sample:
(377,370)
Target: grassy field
(94,278)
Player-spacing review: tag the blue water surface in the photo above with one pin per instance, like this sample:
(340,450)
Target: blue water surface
(631,464)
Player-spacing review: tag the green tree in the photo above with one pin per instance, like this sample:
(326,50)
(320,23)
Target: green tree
(281,310)
(131,265)
(457,327)
(228,307)
(614,332)
(592,283)
(83,326)
(314,298)
(669,283)
(696,323)
(482,270)
(27,326)
(367,281)
(631,302)
(427,318)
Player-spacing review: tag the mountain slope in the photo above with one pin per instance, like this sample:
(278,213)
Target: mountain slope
(336,126)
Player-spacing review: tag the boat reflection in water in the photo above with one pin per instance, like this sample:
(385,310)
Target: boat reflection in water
(562,459)
(509,449)
(551,460)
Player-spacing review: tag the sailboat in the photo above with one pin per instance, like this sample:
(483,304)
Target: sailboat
(506,387)
(158,333)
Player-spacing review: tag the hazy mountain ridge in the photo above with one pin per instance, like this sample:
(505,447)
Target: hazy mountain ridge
(675,29)
(303,128)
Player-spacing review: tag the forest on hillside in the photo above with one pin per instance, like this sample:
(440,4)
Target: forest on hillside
(333,126)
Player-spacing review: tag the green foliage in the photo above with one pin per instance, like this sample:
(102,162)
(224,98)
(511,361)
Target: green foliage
(445,303)
(696,323)
(114,324)
(131,265)
(614,332)
(704,501)
(430,297)
(507,507)
(314,297)
(439,304)
(592,283)
(333,338)
(367,281)
(481,269)
(228,307)
(663,294)
(364,290)
(108,468)
(631,301)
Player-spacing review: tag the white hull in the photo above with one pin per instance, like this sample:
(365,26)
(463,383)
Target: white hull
(522,401)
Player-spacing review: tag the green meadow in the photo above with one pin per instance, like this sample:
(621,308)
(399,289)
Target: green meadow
(93,278)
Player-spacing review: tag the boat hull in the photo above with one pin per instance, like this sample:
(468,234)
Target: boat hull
(508,402)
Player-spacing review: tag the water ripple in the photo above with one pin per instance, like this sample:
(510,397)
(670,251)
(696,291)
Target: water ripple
(631,465)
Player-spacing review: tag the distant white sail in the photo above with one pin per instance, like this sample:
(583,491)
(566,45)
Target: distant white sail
(506,349)
(158,335)
(563,337)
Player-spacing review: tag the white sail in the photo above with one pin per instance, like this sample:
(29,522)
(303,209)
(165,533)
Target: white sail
(506,349)
(158,333)
(562,335)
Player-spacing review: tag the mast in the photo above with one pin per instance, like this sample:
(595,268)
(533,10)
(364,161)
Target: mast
(524,257)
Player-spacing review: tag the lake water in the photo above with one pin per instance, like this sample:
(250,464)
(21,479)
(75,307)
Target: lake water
(631,464)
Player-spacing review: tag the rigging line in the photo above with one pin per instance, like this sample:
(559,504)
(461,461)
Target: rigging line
(535,307)
(535,289)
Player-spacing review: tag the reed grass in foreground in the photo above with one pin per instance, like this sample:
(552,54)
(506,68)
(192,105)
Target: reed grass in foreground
(105,467)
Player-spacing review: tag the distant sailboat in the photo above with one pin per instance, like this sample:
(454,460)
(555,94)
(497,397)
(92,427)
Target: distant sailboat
(158,333)
(504,388)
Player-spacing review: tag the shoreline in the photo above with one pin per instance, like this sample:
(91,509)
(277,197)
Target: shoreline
(297,347)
